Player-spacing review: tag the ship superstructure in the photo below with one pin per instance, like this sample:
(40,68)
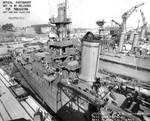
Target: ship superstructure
(68,83)
(85,98)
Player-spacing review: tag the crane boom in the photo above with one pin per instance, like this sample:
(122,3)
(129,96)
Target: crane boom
(129,12)
(116,23)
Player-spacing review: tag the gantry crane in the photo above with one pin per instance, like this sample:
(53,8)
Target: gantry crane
(116,32)
(125,16)
(120,26)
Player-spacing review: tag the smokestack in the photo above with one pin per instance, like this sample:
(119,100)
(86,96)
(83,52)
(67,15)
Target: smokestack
(90,58)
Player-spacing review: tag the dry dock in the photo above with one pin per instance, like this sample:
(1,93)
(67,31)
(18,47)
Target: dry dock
(10,107)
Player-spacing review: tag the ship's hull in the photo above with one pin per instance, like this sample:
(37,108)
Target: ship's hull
(47,94)
(130,66)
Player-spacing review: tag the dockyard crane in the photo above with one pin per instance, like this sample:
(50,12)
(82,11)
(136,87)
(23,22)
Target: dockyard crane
(116,23)
(143,28)
(118,29)
(125,16)
(115,32)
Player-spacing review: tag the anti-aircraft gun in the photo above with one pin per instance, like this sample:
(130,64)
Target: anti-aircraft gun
(133,93)
(103,98)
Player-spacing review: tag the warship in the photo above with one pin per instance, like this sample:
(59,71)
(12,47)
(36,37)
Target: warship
(133,62)
(66,80)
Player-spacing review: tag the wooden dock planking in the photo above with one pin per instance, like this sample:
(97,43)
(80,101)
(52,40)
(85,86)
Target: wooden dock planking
(12,106)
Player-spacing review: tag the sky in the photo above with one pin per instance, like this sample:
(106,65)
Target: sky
(83,13)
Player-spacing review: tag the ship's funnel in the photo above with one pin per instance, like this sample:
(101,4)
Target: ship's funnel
(89,58)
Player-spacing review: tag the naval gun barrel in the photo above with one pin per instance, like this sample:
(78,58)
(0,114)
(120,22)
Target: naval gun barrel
(141,90)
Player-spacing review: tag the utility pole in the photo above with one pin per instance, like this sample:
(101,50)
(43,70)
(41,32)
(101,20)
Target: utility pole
(65,10)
